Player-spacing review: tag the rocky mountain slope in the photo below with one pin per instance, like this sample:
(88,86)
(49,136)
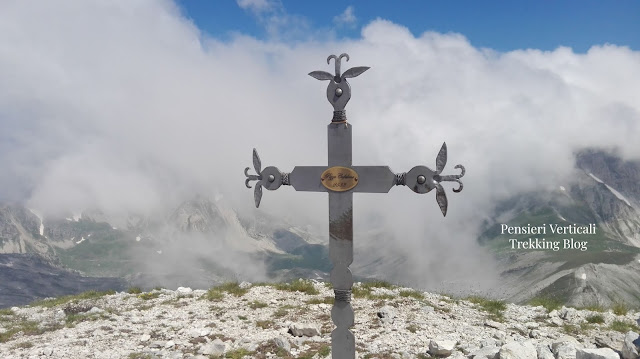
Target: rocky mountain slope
(21,231)
(293,321)
(27,277)
(183,247)
(605,193)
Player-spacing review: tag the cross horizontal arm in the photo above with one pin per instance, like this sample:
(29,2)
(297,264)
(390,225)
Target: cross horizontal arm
(371,179)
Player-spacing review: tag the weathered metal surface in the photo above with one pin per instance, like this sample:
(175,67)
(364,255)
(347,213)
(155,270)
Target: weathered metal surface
(338,90)
(257,193)
(343,342)
(370,179)
(256,165)
(307,178)
(422,179)
(412,182)
(341,242)
(270,178)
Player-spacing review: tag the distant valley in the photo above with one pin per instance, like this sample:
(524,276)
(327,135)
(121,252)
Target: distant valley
(204,242)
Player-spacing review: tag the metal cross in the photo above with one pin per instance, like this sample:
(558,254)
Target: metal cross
(341,179)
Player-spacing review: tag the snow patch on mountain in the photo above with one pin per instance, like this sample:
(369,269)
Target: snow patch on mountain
(615,193)
(37,214)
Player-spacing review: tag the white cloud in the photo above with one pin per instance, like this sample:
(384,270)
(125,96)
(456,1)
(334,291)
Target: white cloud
(256,6)
(277,22)
(347,17)
(119,105)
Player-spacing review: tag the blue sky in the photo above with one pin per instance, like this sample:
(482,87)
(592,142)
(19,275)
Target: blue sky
(499,25)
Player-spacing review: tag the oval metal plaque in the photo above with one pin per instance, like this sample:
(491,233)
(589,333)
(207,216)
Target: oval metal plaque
(339,179)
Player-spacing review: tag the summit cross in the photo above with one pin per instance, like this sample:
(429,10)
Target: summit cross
(341,179)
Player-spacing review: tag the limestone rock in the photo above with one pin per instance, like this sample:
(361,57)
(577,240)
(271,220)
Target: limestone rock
(494,324)
(184,290)
(245,285)
(454,355)
(631,346)
(173,325)
(282,342)
(564,350)
(485,353)
(145,338)
(544,352)
(303,329)
(387,314)
(441,347)
(217,347)
(518,350)
(601,353)
(613,340)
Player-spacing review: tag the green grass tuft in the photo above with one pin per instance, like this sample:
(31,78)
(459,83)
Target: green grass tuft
(300,285)
(594,308)
(140,356)
(27,327)
(360,292)
(214,295)
(324,351)
(237,354)
(364,290)
(257,304)
(281,312)
(549,303)
(149,295)
(595,319)
(217,293)
(493,307)
(412,328)
(134,290)
(378,284)
(264,324)
(232,288)
(412,294)
(23,345)
(620,308)
(49,303)
(623,327)
(325,300)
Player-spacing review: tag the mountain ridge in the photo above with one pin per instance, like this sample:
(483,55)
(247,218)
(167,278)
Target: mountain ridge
(292,321)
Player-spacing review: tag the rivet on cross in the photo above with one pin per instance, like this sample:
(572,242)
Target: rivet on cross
(341,179)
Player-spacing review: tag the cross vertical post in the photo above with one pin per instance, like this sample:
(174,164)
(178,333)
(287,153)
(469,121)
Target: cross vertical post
(341,244)
(341,179)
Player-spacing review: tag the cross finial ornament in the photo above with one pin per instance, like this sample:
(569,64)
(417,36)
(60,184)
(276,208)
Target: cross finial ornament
(340,179)
(338,90)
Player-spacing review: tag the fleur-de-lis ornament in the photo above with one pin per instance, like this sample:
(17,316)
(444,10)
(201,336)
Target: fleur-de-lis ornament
(257,165)
(339,90)
(422,179)
(270,178)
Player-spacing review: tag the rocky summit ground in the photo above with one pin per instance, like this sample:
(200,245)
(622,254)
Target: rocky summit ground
(293,321)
